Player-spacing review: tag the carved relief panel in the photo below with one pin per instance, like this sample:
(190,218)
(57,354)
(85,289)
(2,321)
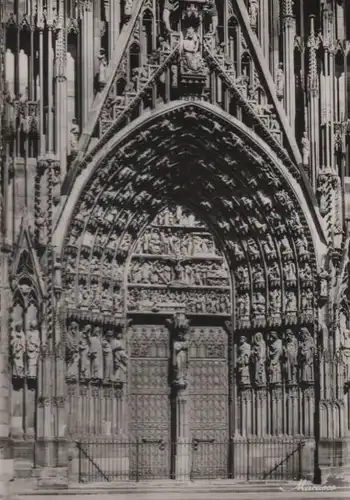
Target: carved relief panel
(176,263)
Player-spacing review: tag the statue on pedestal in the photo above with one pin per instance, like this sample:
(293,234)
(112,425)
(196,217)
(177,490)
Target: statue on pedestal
(243,362)
(108,365)
(259,357)
(120,357)
(84,347)
(33,350)
(307,353)
(72,351)
(291,357)
(96,354)
(305,147)
(18,345)
(190,47)
(180,360)
(74,135)
(275,358)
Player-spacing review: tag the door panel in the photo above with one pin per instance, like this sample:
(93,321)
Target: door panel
(209,402)
(149,402)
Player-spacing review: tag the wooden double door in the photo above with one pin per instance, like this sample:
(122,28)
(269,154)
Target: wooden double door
(154,405)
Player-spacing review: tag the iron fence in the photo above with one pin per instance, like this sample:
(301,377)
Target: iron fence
(239,458)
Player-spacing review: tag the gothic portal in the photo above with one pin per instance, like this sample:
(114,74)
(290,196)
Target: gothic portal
(174,223)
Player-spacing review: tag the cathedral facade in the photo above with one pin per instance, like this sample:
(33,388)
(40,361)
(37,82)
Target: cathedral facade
(174,238)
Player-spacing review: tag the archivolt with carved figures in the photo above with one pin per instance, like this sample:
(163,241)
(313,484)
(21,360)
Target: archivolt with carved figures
(190,215)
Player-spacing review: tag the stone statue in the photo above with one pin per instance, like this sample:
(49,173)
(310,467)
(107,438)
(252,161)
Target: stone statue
(72,351)
(275,358)
(285,247)
(108,365)
(259,358)
(323,277)
(291,302)
(18,346)
(190,47)
(211,10)
(96,354)
(259,304)
(306,353)
(307,300)
(345,349)
(243,361)
(102,67)
(84,348)
(120,358)
(33,350)
(280,81)
(180,360)
(275,302)
(74,135)
(128,7)
(305,147)
(169,6)
(243,306)
(291,357)
(289,271)
(253,13)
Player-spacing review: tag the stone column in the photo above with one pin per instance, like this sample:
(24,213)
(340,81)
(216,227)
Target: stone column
(179,329)
(61,94)
(87,52)
(6,463)
(288,57)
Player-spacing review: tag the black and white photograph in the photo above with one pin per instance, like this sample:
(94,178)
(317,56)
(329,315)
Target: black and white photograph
(174,249)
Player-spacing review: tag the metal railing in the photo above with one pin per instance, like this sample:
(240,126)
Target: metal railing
(276,458)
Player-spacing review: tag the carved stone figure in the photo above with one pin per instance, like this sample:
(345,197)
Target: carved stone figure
(18,346)
(285,248)
(96,354)
(258,275)
(180,360)
(72,351)
(190,46)
(259,358)
(128,7)
(290,272)
(323,277)
(291,357)
(74,135)
(33,350)
(291,302)
(108,365)
(211,10)
(168,8)
(305,147)
(120,357)
(307,352)
(243,306)
(243,361)
(345,350)
(253,249)
(306,273)
(84,348)
(102,67)
(274,273)
(280,81)
(259,304)
(253,13)
(275,358)
(275,302)
(307,300)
